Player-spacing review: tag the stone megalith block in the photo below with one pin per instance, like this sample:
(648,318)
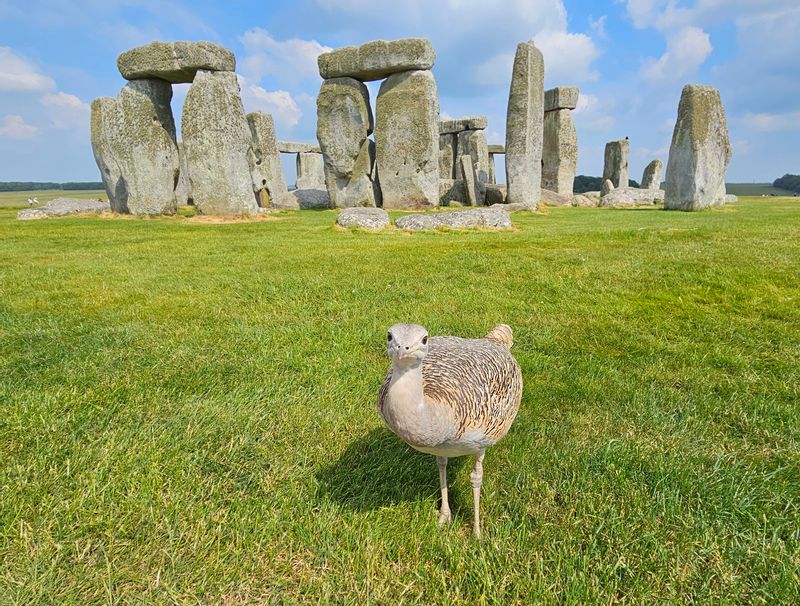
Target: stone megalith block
(447,156)
(310,171)
(559,152)
(133,140)
(344,121)
(294,147)
(615,166)
(607,187)
(473,143)
(524,126)
(456,125)
(700,151)
(377,59)
(269,184)
(561,97)
(218,143)
(470,180)
(651,177)
(174,61)
(407,140)
(183,190)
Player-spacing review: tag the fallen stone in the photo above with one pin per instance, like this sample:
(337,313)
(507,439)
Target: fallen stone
(377,59)
(368,218)
(592,194)
(495,194)
(524,126)
(310,171)
(407,140)
(133,140)
(447,156)
(560,97)
(559,152)
(456,125)
(183,190)
(607,188)
(174,62)
(700,151)
(311,199)
(452,190)
(265,161)
(585,200)
(61,207)
(456,219)
(631,196)
(651,177)
(514,207)
(344,121)
(293,147)
(551,198)
(615,166)
(218,143)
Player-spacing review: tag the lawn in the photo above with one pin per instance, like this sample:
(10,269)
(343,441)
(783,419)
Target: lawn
(19,199)
(187,411)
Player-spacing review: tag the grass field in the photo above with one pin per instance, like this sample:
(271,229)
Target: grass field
(187,411)
(19,199)
(756,189)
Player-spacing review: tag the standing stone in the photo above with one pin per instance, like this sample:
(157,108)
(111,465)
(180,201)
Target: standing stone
(218,144)
(473,143)
(447,156)
(265,161)
(407,139)
(344,121)
(310,171)
(700,151)
(183,190)
(470,179)
(174,61)
(494,149)
(377,59)
(560,151)
(524,126)
(133,140)
(651,178)
(615,167)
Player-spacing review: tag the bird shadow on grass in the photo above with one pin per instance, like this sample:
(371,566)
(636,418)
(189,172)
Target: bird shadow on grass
(379,470)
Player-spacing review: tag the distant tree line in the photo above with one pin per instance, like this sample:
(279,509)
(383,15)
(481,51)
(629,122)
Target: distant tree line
(42,185)
(790,182)
(583,184)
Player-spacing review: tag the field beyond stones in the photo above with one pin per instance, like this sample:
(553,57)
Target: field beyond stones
(187,411)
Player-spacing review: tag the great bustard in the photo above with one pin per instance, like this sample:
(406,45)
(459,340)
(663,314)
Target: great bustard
(451,397)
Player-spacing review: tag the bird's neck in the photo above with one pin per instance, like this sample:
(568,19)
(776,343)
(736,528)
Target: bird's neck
(405,388)
(405,409)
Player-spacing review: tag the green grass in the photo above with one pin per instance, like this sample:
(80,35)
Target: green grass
(19,199)
(187,411)
(756,189)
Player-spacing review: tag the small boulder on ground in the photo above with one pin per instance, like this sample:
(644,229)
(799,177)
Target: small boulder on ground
(368,218)
(514,207)
(310,199)
(456,219)
(61,207)
(631,196)
(551,198)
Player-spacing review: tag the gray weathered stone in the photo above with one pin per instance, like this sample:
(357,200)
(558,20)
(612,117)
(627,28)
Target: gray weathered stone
(551,198)
(61,207)
(310,171)
(218,143)
(456,125)
(632,196)
(560,97)
(559,152)
(731,198)
(183,190)
(524,125)
(615,166)
(467,174)
(700,151)
(344,121)
(174,61)
(447,156)
(407,139)
(368,218)
(651,177)
(607,187)
(585,200)
(452,190)
(377,59)
(133,140)
(456,219)
(514,207)
(496,149)
(294,147)
(473,143)
(495,194)
(311,199)
(265,162)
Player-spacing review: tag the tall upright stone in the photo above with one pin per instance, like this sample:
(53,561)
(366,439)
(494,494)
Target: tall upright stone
(407,140)
(473,143)
(183,190)
(344,121)
(700,151)
(524,127)
(134,144)
(651,177)
(269,184)
(447,155)
(615,167)
(560,152)
(310,171)
(218,143)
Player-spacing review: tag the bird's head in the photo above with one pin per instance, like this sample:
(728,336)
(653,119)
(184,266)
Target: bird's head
(407,344)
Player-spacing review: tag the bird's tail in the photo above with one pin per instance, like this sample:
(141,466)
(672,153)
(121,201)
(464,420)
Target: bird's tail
(501,334)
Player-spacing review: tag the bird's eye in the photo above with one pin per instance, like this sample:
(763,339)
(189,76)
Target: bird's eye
(425,340)
(389,336)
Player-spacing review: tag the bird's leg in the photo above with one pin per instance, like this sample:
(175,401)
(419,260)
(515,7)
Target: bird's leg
(476,479)
(444,512)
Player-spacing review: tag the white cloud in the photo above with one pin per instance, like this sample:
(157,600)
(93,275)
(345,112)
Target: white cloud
(15,127)
(598,26)
(18,74)
(568,57)
(293,60)
(766,122)
(586,103)
(65,110)
(687,50)
(495,70)
(283,107)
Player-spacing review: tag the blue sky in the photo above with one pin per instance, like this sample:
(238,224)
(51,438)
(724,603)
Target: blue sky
(629,58)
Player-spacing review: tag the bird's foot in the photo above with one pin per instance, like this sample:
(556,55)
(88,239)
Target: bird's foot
(444,517)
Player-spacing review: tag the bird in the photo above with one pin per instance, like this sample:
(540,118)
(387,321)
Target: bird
(451,397)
